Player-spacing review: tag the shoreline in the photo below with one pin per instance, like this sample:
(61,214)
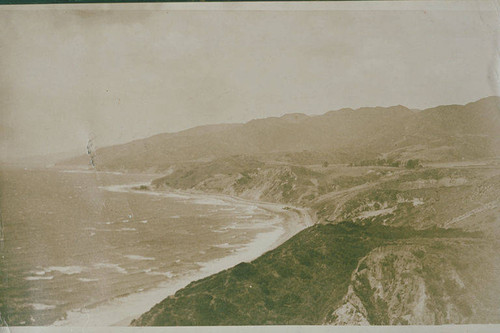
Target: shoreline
(121,311)
(302,215)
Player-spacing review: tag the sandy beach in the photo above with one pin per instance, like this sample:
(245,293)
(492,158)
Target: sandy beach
(121,311)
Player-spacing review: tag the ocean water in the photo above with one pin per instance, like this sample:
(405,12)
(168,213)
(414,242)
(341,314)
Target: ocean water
(72,241)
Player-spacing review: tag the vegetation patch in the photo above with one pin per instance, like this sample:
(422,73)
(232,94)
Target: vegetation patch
(297,283)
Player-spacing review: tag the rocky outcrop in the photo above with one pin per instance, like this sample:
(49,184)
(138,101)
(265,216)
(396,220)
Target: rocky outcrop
(417,284)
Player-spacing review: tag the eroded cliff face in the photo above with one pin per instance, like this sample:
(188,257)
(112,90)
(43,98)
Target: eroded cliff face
(425,283)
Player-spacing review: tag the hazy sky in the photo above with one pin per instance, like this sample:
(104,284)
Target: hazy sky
(117,75)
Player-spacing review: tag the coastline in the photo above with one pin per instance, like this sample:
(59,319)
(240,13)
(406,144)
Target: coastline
(122,310)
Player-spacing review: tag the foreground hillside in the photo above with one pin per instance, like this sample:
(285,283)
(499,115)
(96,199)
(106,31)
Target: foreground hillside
(393,245)
(444,133)
(326,274)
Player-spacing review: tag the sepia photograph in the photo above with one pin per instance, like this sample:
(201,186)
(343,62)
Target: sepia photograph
(290,164)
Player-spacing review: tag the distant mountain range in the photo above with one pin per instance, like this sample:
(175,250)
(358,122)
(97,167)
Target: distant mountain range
(443,133)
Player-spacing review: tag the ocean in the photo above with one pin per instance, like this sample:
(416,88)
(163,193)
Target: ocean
(74,244)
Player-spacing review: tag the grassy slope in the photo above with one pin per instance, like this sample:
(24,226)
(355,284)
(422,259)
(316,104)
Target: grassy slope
(299,282)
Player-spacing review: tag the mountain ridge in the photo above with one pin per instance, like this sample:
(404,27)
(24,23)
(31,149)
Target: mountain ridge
(468,131)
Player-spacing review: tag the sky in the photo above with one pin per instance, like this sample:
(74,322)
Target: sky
(70,74)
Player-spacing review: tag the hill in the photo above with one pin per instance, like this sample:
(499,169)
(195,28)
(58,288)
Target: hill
(444,133)
(392,246)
